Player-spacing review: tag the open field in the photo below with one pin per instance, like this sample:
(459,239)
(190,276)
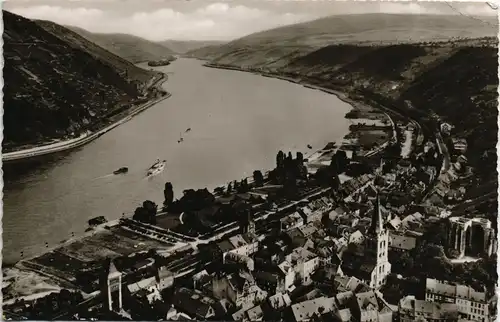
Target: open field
(88,253)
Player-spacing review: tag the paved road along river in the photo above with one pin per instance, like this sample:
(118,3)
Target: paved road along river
(239,121)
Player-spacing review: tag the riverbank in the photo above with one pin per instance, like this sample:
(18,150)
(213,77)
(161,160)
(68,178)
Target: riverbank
(89,136)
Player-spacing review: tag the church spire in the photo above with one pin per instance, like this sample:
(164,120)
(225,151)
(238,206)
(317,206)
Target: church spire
(377,222)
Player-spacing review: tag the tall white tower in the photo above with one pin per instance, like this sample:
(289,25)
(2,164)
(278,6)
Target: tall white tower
(378,240)
(114,286)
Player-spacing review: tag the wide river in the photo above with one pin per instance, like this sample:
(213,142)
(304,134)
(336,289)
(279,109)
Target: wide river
(239,122)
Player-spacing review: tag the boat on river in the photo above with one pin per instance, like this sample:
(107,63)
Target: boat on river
(156,168)
(181,139)
(121,170)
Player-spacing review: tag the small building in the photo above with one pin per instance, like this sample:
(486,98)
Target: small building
(356,237)
(238,288)
(241,244)
(248,315)
(308,230)
(370,306)
(394,223)
(350,284)
(291,221)
(304,263)
(401,241)
(164,278)
(285,269)
(459,145)
(146,289)
(194,303)
(245,261)
(446,128)
(255,314)
(305,311)
(173,315)
(271,282)
(411,309)
(279,301)
(315,209)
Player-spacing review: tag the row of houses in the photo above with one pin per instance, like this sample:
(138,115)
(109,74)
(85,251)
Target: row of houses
(313,211)
(445,301)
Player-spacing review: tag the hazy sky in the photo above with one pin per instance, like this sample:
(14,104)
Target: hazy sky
(212,20)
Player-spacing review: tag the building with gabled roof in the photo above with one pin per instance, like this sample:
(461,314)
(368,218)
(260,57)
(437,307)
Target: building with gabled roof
(305,311)
(291,221)
(370,306)
(471,303)
(238,288)
(410,309)
(304,263)
(194,303)
(279,301)
(400,241)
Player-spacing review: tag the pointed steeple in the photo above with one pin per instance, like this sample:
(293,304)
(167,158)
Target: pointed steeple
(381,166)
(377,222)
(113,271)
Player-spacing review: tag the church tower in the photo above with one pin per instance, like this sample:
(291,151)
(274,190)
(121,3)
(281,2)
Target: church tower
(114,288)
(247,223)
(378,241)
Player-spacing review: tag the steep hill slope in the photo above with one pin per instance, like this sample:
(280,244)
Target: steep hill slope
(58,84)
(132,48)
(267,48)
(125,67)
(455,80)
(182,47)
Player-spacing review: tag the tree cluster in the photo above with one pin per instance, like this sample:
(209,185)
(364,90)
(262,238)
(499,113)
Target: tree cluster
(288,170)
(47,307)
(146,213)
(329,176)
(193,200)
(288,167)
(239,186)
(168,193)
(258,178)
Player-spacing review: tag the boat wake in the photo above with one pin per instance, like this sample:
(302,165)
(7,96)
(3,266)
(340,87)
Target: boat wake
(103,177)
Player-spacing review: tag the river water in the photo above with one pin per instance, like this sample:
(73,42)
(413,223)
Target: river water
(239,122)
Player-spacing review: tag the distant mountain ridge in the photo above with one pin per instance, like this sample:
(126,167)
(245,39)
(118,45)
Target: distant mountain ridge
(58,84)
(132,48)
(137,49)
(302,38)
(184,46)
